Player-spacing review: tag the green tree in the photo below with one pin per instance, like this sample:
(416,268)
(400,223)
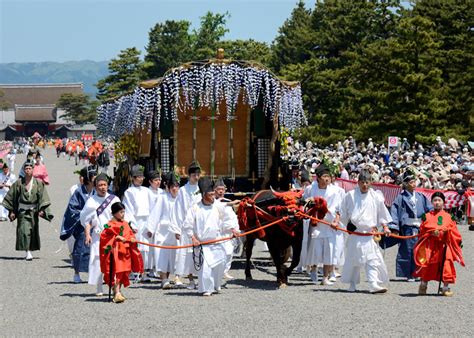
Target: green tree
(454,21)
(246,50)
(172,43)
(79,107)
(169,45)
(126,71)
(4,104)
(339,31)
(396,86)
(293,44)
(206,38)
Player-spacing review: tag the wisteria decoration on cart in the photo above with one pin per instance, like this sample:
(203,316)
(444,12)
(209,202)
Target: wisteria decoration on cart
(205,84)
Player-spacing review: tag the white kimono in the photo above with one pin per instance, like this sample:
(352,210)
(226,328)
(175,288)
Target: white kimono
(164,232)
(154,194)
(11,161)
(306,222)
(137,208)
(206,222)
(188,195)
(89,216)
(340,235)
(322,238)
(226,231)
(365,211)
(9,179)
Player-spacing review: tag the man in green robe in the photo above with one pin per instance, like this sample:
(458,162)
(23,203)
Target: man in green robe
(27,200)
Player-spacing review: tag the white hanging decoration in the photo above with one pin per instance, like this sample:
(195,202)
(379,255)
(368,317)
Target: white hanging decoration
(207,85)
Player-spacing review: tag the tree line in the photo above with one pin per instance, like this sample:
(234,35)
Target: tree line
(368,68)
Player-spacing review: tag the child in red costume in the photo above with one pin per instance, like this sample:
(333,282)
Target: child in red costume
(438,247)
(118,242)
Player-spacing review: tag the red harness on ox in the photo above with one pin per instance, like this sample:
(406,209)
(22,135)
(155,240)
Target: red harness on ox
(248,213)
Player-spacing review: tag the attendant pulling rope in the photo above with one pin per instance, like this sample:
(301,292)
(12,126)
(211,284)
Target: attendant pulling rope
(283,219)
(376,233)
(217,240)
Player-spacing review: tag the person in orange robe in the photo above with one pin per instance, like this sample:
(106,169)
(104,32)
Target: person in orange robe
(58,144)
(80,145)
(118,243)
(93,153)
(438,247)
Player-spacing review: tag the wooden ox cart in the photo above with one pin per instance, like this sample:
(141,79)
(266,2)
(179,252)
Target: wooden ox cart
(225,114)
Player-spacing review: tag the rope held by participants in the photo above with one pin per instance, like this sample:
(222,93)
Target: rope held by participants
(223,239)
(357,233)
(217,240)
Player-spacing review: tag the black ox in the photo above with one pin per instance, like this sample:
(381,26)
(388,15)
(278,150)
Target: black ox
(268,206)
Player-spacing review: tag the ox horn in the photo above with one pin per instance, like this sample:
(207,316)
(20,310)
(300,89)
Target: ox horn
(276,193)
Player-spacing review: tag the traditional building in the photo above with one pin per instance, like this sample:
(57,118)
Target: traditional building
(32,108)
(84,132)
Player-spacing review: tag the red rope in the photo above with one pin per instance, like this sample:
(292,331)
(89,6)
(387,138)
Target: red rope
(376,233)
(217,240)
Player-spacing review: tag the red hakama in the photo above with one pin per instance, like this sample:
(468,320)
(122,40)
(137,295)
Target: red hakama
(126,256)
(431,247)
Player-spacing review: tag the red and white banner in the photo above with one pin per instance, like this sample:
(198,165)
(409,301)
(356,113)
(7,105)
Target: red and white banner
(470,203)
(391,191)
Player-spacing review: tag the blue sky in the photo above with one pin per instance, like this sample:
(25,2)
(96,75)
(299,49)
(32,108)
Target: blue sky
(65,30)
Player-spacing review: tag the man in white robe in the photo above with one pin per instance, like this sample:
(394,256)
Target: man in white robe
(205,221)
(137,210)
(322,239)
(97,212)
(220,189)
(363,209)
(7,178)
(340,238)
(162,231)
(305,176)
(154,178)
(188,196)
(11,160)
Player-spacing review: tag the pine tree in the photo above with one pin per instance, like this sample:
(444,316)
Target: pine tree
(169,45)
(79,108)
(249,50)
(293,44)
(453,21)
(206,38)
(339,30)
(395,84)
(126,71)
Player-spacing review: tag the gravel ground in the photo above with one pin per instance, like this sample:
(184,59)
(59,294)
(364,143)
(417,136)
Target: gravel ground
(38,297)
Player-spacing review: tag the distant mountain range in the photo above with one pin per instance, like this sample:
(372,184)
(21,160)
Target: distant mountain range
(87,72)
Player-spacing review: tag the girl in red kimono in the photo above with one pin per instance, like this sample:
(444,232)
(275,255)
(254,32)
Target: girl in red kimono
(438,247)
(118,243)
